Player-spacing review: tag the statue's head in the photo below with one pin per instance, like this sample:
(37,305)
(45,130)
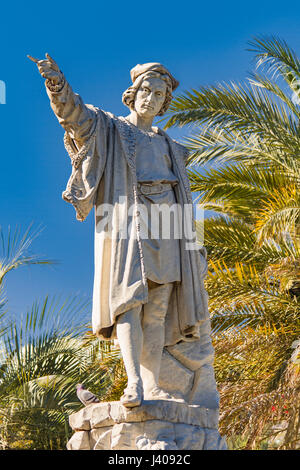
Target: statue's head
(151,90)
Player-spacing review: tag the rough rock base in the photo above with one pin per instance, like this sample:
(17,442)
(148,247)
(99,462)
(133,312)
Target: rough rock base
(186,373)
(157,424)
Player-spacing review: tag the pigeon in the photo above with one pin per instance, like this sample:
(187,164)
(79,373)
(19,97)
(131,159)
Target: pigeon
(85,396)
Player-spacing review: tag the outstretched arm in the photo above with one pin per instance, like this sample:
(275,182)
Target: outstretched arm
(75,117)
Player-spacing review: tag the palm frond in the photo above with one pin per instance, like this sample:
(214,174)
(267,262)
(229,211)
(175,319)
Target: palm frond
(236,107)
(279,216)
(232,240)
(275,54)
(15,250)
(231,289)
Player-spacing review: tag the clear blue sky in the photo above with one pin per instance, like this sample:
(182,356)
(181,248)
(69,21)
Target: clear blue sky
(96,43)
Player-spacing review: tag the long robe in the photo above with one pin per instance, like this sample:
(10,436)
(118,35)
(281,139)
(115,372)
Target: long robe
(159,228)
(102,151)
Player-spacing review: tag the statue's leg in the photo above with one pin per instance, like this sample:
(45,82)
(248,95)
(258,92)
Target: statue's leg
(130,338)
(153,324)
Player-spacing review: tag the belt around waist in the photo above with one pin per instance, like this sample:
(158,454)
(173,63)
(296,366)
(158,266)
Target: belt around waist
(148,188)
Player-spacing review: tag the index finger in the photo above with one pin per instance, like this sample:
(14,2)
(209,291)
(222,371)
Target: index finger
(50,58)
(32,58)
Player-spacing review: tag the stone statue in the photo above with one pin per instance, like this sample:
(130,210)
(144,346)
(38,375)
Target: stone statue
(148,291)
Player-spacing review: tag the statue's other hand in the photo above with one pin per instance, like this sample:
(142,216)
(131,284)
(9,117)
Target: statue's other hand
(48,68)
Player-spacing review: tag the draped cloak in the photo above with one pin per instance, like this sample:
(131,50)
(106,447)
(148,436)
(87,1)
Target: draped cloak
(101,147)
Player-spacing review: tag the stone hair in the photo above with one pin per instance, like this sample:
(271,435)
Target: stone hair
(128,96)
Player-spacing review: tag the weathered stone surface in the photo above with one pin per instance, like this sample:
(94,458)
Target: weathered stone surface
(166,411)
(81,420)
(174,377)
(186,353)
(189,437)
(104,441)
(100,415)
(152,434)
(79,441)
(120,413)
(107,414)
(156,429)
(124,435)
(193,355)
(91,416)
(205,331)
(148,435)
(204,392)
(96,434)
(213,440)
(144,443)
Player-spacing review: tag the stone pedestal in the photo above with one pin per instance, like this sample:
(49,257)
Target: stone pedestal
(157,424)
(191,423)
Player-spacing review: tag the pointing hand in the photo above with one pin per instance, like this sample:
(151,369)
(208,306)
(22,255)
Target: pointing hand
(48,68)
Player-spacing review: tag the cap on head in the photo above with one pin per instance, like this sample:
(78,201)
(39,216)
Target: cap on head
(140,69)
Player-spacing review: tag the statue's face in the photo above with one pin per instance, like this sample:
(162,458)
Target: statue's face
(150,97)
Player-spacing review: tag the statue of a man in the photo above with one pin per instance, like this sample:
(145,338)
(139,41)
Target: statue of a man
(148,291)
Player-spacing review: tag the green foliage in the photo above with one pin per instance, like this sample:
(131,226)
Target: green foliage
(43,355)
(245,167)
(15,251)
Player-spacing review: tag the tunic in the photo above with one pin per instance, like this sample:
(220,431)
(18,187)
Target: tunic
(161,249)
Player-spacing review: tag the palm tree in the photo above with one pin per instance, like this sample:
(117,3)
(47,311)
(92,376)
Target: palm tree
(43,356)
(43,359)
(14,253)
(245,167)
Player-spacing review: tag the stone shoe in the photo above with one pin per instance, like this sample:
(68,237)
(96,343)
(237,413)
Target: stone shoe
(132,396)
(157,393)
